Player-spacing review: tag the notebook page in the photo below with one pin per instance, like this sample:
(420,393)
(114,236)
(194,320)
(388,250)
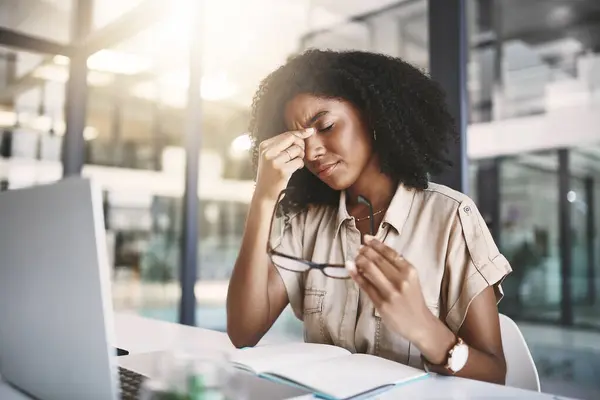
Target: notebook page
(349,376)
(271,357)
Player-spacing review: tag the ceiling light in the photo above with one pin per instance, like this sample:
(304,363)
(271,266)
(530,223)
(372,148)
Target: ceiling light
(8,118)
(58,73)
(212,213)
(111,61)
(53,73)
(173,85)
(90,133)
(240,147)
(41,123)
(61,60)
(118,62)
(97,78)
(561,15)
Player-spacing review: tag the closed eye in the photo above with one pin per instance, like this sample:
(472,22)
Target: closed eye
(327,128)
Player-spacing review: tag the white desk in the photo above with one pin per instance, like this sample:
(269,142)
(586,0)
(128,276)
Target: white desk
(145,339)
(159,336)
(445,387)
(143,335)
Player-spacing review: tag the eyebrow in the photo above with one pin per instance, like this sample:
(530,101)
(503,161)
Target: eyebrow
(315,118)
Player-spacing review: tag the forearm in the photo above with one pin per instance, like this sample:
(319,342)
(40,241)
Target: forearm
(248,294)
(438,339)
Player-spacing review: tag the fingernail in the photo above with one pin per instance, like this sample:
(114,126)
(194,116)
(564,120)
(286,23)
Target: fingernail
(310,131)
(351,266)
(368,238)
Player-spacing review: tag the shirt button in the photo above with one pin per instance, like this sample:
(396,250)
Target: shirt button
(467,209)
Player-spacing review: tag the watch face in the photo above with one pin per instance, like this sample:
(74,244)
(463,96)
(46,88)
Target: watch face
(459,357)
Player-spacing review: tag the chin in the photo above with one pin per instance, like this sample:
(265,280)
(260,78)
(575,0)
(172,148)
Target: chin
(338,180)
(337,184)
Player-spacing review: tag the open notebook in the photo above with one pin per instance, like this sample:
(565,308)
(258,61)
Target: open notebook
(328,371)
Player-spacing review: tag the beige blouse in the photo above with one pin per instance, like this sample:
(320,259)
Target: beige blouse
(438,230)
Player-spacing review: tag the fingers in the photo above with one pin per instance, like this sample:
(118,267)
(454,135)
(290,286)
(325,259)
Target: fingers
(364,283)
(290,159)
(372,272)
(292,152)
(386,252)
(391,273)
(294,165)
(284,154)
(271,148)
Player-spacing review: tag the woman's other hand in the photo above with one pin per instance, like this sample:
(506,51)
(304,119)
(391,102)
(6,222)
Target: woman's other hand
(280,156)
(393,286)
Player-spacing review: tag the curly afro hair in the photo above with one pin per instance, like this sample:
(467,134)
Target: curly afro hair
(404,108)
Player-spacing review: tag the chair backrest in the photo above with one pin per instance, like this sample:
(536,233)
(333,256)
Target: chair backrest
(520,368)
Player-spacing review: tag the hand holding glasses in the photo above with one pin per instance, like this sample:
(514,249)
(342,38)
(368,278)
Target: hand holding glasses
(284,210)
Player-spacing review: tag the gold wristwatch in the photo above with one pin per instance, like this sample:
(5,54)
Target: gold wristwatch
(456,359)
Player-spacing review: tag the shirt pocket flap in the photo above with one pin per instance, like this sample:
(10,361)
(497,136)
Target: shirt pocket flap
(313,301)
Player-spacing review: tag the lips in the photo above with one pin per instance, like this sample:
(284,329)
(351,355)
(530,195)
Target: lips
(327,169)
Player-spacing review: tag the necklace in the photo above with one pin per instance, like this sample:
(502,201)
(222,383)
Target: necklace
(368,216)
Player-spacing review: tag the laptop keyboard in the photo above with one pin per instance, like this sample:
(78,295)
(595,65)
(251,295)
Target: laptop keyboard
(130,384)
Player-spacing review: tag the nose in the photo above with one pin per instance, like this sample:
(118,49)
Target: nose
(313,148)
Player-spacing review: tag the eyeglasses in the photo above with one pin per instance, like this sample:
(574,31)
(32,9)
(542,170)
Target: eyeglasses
(282,213)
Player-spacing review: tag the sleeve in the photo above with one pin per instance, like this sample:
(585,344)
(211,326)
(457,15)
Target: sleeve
(473,262)
(287,237)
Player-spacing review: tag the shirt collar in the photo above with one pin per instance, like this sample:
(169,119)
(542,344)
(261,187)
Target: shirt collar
(396,214)
(342,211)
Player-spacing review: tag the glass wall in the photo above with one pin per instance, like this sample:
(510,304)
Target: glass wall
(397,30)
(584,202)
(31,108)
(533,86)
(138,153)
(531,58)
(579,215)
(529,236)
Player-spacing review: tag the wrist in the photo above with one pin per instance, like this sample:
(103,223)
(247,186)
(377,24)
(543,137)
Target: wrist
(436,341)
(267,190)
(263,202)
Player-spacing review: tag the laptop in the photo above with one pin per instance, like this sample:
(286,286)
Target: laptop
(56,325)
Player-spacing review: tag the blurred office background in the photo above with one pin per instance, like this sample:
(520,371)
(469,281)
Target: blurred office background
(100,88)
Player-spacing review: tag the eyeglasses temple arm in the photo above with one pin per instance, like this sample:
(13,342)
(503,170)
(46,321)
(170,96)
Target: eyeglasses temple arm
(364,200)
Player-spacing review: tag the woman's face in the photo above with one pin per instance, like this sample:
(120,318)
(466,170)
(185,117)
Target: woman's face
(341,149)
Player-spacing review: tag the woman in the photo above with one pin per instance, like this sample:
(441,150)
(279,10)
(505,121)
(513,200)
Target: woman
(347,129)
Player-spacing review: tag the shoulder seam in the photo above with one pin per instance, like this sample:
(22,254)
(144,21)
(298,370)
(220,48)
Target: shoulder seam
(457,201)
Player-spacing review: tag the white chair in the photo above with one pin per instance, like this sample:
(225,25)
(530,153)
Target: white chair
(520,368)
